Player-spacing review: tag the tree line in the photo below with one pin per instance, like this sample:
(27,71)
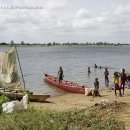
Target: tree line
(64,43)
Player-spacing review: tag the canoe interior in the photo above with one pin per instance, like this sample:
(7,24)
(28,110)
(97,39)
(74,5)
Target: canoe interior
(65,85)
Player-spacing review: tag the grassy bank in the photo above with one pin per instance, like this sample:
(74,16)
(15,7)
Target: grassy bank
(98,117)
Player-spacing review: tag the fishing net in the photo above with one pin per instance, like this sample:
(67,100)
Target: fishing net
(8,70)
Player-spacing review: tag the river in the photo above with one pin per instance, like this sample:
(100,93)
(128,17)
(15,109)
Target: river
(75,60)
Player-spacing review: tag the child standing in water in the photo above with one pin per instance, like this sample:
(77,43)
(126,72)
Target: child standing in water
(116,83)
(89,71)
(106,73)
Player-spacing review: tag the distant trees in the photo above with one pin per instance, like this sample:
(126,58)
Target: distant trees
(3,43)
(22,43)
(49,44)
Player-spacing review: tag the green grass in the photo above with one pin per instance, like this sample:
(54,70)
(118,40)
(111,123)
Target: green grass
(33,119)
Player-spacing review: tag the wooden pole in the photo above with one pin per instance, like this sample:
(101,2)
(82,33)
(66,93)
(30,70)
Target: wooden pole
(20,67)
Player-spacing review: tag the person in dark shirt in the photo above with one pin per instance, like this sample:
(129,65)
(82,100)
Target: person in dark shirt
(123,79)
(60,73)
(89,71)
(96,89)
(95,66)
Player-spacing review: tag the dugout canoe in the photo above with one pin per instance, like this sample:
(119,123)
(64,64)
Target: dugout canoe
(15,95)
(65,85)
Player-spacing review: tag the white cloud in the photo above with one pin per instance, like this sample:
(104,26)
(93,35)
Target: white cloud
(54,4)
(59,21)
(82,13)
(123,10)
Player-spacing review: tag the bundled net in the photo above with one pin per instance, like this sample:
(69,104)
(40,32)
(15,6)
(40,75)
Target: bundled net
(8,70)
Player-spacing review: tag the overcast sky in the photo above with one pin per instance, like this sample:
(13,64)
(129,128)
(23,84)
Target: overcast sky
(65,21)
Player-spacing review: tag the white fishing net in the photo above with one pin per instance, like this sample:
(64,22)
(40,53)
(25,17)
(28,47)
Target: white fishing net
(8,70)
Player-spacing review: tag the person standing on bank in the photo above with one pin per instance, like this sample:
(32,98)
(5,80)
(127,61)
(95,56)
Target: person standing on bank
(106,73)
(123,79)
(96,89)
(60,74)
(116,83)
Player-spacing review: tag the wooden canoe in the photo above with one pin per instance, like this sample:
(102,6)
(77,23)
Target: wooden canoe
(18,96)
(65,85)
(38,97)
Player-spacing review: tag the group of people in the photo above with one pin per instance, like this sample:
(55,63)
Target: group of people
(119,80)
(106,73)
(96,83)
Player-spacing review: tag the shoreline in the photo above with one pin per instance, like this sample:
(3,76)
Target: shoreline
(68,101)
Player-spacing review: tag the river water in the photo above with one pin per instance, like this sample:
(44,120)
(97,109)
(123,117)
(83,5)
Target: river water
(75,61)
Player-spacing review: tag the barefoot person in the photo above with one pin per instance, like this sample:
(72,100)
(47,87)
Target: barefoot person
(96,90)
(123,80)
(116,78)
(60,73)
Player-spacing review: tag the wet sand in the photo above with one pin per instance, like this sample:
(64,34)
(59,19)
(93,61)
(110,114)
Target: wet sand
(69,100)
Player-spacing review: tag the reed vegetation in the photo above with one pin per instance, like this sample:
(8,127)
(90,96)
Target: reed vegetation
(75,119)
